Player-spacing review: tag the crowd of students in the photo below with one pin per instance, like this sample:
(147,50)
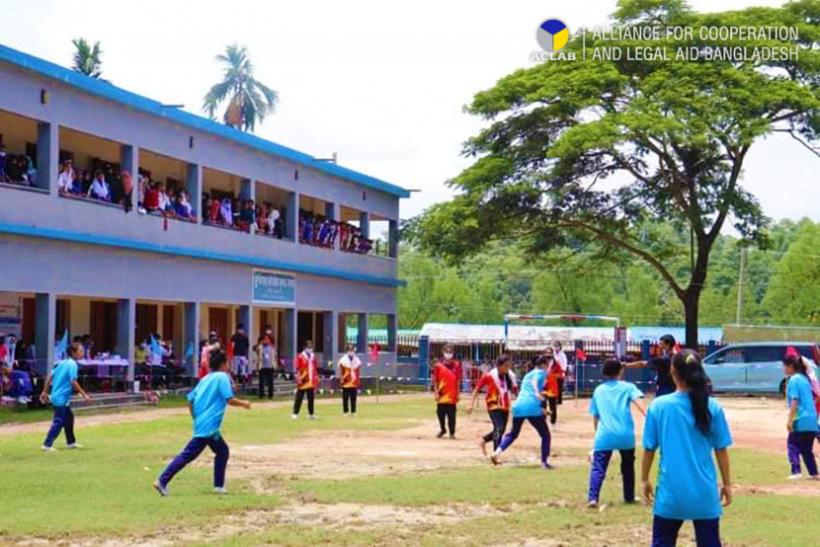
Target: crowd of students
(242,214)
(17,168)
(104,182)
(321,231)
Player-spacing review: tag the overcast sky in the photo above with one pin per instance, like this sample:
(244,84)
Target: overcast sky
(380,83)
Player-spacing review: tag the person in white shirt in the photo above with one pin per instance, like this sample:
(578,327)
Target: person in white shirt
(65,180)
(350,379)
(561,359)
(273,222)
(99,188)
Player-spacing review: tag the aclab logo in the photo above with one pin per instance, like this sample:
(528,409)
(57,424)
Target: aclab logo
(552,35)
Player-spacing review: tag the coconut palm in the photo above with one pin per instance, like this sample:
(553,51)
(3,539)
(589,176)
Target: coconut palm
(249,100)
(87,58)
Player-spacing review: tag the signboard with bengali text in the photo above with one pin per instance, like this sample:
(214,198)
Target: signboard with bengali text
(273,288)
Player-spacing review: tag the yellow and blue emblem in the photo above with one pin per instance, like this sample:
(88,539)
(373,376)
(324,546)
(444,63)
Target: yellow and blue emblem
(552,35)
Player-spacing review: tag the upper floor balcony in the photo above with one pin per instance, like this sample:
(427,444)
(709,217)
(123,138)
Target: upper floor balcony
(74,184)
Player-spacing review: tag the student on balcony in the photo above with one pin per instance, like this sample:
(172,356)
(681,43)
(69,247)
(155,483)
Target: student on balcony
(99,188)
(67,178)
(182,206)
(247,215)
(151,200)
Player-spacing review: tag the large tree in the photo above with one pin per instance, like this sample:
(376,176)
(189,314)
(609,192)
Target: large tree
(794,292)
(596,150)
(87,58)
(248,100)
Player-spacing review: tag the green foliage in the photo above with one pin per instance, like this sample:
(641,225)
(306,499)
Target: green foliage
(794,295)
(249,100)
(779,284)
(672,135)
(87,58)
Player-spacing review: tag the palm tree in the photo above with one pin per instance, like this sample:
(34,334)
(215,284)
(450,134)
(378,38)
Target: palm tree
(87,58)
(249,100)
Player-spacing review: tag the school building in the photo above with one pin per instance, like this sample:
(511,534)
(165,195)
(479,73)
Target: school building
(87,266)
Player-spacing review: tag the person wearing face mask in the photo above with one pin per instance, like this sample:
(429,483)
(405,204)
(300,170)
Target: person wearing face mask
(446,379)
(350,379)
(307,380)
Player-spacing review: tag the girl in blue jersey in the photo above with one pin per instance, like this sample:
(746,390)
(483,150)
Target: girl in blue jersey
(610,407)
(802,422)
(687,426)
(529,406)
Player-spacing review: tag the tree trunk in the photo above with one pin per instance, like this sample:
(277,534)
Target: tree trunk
(691,303)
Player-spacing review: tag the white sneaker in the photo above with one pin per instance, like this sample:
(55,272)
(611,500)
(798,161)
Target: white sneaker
(45,448)
(73,446)
(163,490)
(312,417)
(294,417)
(346,414)
(796,476)
(220,490)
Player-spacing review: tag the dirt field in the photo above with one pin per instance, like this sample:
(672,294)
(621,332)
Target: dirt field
(756,423)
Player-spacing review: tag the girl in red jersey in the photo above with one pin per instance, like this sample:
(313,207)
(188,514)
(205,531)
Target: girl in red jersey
(350,379)
(446,376)
(307,380)
(500,383)
(555,377)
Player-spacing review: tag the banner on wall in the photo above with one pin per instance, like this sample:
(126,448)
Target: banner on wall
(273,288)
(11,314)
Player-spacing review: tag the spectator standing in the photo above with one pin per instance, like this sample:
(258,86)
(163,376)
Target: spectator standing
(65,179)
(241,347)
(128,189)
(3,156)
(99,188)
(266,363)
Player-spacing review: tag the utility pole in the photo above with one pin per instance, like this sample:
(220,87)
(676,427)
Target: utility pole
(739,314)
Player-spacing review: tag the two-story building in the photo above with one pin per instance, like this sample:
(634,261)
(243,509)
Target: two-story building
(90,266)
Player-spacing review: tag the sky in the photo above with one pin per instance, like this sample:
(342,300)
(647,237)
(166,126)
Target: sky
(382,84)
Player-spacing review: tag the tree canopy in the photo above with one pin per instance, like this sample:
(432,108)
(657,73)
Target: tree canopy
(248,100)
(603,151)
(87,59)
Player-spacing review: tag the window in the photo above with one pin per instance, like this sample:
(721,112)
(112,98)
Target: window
(765,354)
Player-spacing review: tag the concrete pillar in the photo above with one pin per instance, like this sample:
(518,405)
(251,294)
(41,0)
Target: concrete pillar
(364,223)
(191,336)
(247,189)
(330,341)
(194,187)
(246,318)
(129,162)
(392,330)
(126,326)
(288,347)
(291,217)
(48,152)
(45,310)
(361,336)
(393,239)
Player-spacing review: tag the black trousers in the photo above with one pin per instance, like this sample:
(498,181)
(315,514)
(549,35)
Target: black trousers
(349,395)
(266,382)
(447,412)
(499,419)
(560,391)
(553,404)
(300,396)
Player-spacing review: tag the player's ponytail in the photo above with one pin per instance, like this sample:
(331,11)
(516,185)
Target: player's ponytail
(797,364)
(689,369)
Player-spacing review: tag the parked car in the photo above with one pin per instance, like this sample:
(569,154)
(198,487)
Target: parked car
(754,366)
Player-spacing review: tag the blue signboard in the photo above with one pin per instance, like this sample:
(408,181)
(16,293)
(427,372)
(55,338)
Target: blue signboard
(273,288)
